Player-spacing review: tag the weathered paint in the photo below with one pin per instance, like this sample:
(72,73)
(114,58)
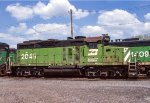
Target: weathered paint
(102,55)
(3,57)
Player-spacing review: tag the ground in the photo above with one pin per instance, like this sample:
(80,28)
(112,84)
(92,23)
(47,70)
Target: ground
(74,90)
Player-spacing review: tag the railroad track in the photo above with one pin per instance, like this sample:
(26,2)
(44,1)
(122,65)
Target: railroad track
(77,78)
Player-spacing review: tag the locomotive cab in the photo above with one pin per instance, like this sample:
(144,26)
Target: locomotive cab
(102,59)
(4,54)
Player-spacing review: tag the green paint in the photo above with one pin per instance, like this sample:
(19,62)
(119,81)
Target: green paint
(73,55)
(140,53)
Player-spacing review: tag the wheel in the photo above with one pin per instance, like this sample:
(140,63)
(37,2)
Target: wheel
(148,73)
(3,70)
(40,73)
(111,74)
(18,73)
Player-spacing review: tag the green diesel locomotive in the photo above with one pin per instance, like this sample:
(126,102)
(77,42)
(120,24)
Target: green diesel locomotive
(137,55)
(84,56)
(90,57)
(7,58)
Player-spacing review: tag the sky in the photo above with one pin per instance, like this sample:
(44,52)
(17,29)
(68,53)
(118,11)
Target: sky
(22,20)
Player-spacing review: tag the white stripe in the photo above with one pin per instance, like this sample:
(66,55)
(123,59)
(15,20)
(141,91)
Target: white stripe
(127,56)
(125,50)
(129,60)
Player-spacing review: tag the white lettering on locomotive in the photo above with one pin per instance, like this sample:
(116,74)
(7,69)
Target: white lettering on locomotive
(93,52)
(92,59)
(140,54)
(28,56)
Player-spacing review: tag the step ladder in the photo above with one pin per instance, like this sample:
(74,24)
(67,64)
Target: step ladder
(132,69)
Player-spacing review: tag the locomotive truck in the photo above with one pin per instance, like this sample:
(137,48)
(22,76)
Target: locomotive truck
(85,56)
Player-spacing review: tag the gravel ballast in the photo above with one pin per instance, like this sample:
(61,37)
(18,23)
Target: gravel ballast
(73,90)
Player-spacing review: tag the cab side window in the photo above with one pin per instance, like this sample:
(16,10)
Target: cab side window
(92,45)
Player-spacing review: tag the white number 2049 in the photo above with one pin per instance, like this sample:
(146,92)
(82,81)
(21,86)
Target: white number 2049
(28,56)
